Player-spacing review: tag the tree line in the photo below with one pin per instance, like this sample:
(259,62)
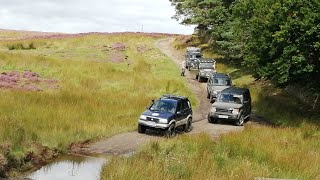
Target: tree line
(277,39)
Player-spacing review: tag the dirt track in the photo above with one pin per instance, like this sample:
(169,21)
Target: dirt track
(127,143)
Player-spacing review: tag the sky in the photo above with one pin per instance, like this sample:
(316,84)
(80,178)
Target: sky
(75,16)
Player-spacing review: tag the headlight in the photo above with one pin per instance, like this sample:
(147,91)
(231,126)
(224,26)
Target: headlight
(213,109)
(235,111)
(163,121)
(143,117)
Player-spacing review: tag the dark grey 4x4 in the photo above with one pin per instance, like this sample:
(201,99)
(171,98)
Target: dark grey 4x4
(216,83)
(232,104)
(166,114)
(205,67)
(192,56)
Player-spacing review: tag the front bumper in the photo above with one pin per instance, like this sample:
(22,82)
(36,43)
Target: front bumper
(153,125)
(224,116)
(205,74)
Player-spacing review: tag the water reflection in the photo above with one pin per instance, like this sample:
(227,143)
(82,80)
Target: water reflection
(71,167)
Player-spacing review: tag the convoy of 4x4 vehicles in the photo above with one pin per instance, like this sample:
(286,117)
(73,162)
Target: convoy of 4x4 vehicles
(198,65)
(171,111)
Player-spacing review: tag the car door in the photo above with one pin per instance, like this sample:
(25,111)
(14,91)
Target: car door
(186,111)
(246,102)
(189,108)
(209,85)
(249,102)
(179,113)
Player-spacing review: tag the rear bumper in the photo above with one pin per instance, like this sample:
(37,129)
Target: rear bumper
(204,75)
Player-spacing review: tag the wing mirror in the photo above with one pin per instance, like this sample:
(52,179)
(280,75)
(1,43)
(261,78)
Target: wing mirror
(152,102)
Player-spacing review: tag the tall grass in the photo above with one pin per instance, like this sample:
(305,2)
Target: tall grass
(95,98)
(275,153)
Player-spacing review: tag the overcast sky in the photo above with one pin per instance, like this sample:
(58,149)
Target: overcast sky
(74,16)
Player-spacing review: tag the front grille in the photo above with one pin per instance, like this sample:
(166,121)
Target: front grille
(152,119)
(224,110)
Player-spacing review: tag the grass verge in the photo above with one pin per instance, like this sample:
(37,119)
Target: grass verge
(103,89)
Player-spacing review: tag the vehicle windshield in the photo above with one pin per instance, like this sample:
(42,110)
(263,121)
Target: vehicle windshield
(206,66)
(164,106)
(230,98)
(221,82)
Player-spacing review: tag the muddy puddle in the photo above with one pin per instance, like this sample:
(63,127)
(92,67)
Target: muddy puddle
(71,167)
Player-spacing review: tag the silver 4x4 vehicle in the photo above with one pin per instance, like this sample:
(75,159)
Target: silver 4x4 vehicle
(205,67)
(192,56)
(232,104)
(216,83)
(166,114)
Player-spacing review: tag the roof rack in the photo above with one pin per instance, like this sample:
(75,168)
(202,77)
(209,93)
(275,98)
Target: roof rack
(207,60)
(172,96)
(216,74)
(193,49)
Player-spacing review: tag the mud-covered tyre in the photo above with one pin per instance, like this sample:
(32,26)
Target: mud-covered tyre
(188,126)
(199,78)
(141,129)
(240,121)
(211,120)
(171,131)
(211,99)
(247,119)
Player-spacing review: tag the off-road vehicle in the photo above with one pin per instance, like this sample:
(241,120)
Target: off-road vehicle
(192,56)
(232,104)
(205,67)
(216,83)
(166,114)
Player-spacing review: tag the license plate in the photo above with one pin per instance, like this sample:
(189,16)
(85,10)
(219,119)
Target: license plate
(150,123)
(223,117)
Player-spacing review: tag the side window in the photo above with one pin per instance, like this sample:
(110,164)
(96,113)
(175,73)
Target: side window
(185,105)
(228,82)
(179,108)
(246,96)
(189,104)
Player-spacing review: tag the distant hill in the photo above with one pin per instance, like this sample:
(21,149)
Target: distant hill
(11,35)
(7,34)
